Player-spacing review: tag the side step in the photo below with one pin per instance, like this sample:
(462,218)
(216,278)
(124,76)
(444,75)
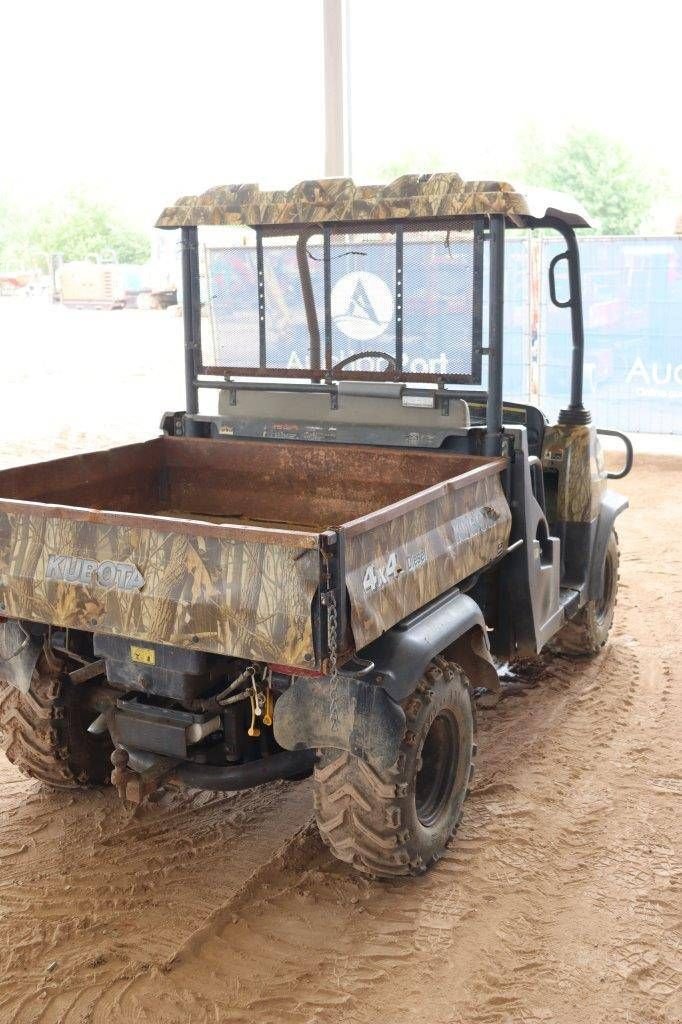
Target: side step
(569,601)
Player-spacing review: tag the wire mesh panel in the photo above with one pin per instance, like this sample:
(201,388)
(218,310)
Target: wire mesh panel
(520,330)
(231,336)
(442,304)
(334,304)
(261,302)
(290,266)
(362,299)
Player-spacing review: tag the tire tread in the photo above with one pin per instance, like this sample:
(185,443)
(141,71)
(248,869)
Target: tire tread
(35,732)
(358,807)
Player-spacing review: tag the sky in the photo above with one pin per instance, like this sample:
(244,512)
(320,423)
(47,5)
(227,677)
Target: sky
(145,101)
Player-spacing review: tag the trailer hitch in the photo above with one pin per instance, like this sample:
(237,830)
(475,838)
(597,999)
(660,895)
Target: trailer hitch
(134,786)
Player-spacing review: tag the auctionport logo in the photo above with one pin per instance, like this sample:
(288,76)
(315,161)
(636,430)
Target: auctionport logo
(362,305)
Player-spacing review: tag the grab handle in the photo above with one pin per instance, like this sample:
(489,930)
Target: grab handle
(629,453)
(552,282)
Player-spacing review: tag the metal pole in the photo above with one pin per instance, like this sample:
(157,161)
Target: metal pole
(260,270)
(348,95)
(399,257)
(328,334)
(334,127)
(191,313)
(309,299)
(576,412)
(494,411)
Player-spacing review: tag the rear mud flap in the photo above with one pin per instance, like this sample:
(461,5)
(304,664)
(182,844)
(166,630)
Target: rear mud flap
(346,714)
(19,653)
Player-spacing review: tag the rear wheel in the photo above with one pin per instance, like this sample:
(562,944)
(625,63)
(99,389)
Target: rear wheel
(44,732)
(399,820)
(587,632)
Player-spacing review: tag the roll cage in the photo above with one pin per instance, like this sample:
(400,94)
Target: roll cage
(320,228)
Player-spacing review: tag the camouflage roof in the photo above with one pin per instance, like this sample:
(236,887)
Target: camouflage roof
(340,200)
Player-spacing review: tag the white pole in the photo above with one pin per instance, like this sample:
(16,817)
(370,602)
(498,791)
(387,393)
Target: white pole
(335,143)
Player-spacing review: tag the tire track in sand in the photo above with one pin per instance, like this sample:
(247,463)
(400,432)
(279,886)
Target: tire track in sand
(116,890)
(558,902)
(521,898)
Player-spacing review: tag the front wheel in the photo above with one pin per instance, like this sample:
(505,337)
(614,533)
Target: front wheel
(587,632)
(399,820)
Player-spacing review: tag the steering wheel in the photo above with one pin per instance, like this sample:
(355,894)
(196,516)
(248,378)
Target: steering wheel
(369,354)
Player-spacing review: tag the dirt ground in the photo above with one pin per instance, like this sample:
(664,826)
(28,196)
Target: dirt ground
(560,900)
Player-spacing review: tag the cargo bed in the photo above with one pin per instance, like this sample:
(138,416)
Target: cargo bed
(226,545)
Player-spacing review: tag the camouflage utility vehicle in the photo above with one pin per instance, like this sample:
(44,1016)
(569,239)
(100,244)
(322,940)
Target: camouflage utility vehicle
(316,577)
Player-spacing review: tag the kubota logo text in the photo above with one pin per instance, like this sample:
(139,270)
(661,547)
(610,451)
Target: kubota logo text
(88,572)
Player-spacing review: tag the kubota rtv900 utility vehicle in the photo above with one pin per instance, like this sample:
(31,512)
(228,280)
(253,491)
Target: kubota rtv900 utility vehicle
(316,577)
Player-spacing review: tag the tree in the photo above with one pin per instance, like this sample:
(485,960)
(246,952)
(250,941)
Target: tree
(79,226)
(76,225)
(408,161)
(598,171)
(15,249)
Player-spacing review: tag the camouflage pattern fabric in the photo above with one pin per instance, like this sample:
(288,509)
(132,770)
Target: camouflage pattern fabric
(250,599)
(398,566)
(341,200)
(575,453)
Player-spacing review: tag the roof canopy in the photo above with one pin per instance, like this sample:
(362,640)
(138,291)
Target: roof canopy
(340,200)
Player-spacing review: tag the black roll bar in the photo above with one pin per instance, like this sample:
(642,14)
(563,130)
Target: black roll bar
(575,412)
(494,409)
(191,315)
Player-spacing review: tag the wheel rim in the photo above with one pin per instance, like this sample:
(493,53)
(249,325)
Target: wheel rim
(438,773)
(604,603)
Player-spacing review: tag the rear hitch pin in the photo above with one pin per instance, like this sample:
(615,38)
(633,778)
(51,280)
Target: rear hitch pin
(269,703)
(253,729)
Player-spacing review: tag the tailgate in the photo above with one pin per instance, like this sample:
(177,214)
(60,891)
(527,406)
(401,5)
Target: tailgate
(229,589)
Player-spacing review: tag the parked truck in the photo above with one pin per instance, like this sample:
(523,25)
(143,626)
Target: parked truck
(316,578)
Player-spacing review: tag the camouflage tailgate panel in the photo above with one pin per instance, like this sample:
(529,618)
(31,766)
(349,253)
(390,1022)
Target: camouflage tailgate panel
(398,566)
(249,599)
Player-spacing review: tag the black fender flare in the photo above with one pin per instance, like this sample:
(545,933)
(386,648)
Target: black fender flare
(612,504)
(363,714)
(452,625)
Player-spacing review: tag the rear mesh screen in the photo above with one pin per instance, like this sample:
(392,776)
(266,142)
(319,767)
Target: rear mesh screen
(231,337)
(300,305)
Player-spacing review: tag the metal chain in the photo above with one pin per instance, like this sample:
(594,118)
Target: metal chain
(332,631)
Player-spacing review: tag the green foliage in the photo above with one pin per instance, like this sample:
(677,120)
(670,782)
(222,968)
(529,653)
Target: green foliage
(15,249)
(79,226)
(75,225)
(410,161)
(599,172)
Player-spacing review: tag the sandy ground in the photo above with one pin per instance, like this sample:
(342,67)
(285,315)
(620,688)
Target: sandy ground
(560,901)
(73,379)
